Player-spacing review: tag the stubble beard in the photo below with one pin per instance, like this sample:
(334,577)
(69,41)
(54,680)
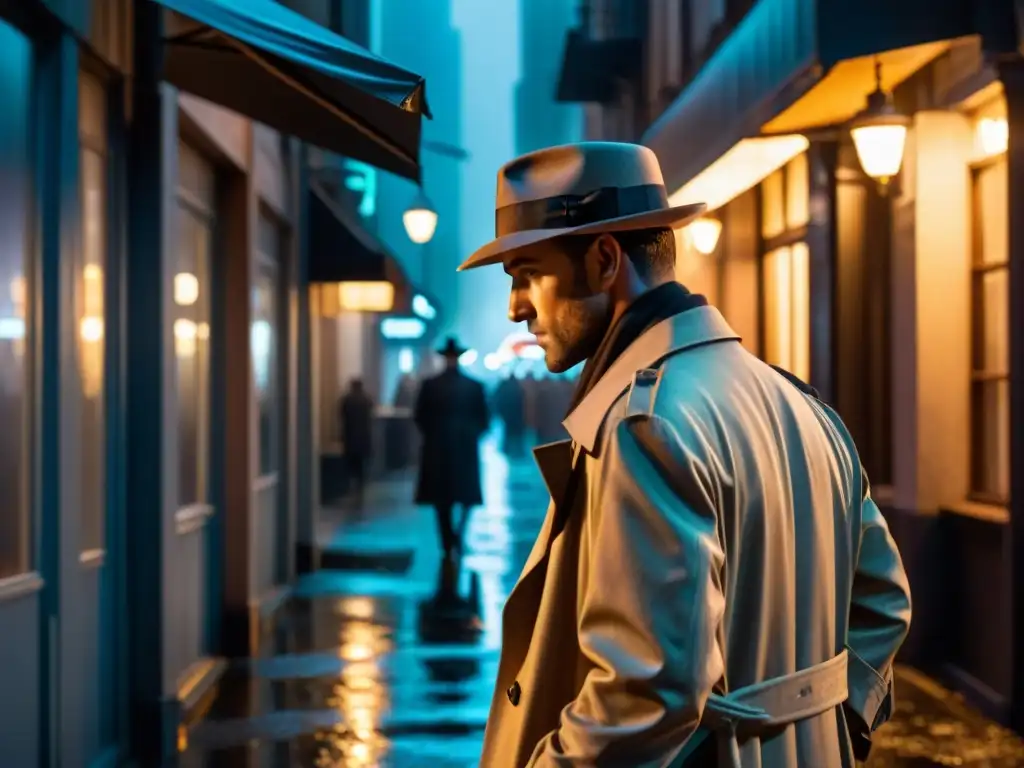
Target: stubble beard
(578,332)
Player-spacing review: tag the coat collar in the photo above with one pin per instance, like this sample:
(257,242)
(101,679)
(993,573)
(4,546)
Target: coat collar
(692,328)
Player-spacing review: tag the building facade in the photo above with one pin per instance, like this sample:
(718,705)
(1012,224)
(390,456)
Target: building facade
(155,334)
(541,120)
(902,303)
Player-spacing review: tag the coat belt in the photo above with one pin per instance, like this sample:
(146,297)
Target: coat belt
(778,701)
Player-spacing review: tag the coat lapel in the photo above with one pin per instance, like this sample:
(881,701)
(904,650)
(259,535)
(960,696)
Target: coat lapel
(692,328)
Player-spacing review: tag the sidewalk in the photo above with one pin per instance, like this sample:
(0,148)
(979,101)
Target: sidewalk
(347,678)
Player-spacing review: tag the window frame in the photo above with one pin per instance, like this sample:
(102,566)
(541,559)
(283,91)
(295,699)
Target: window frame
(93,65)
(980,378)
(788,238)
(192,515)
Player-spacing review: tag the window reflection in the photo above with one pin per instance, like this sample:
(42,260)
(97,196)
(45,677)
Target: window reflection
(15,304)
(90,310)
(191,331)
(264,346)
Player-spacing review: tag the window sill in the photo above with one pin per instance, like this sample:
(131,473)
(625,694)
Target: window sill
(995,514)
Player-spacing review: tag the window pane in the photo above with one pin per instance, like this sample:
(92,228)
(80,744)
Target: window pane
(91,317)
(773,206)
(778,331)
(264,362)
(994,299)
(801,312)
(192,353)
(798,193)
(15,293)
(992,426)
(994,208)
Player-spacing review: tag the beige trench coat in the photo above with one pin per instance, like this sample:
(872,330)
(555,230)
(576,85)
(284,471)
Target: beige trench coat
(721,538)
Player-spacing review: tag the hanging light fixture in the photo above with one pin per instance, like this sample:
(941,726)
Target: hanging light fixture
(879,133)
(420,219)
(704,233)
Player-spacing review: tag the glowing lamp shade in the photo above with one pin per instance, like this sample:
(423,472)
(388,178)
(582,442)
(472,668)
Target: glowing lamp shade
(704,233)
(880,148)
(879,133)
(420,220)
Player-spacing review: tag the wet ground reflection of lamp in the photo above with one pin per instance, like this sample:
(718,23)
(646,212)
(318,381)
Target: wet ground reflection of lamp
(420,219)
(704,233)
(879,134)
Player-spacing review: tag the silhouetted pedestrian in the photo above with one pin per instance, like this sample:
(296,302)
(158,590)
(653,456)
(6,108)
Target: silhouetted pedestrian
(356,415)
(452,415)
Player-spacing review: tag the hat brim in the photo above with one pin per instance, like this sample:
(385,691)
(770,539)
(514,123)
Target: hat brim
(495,251)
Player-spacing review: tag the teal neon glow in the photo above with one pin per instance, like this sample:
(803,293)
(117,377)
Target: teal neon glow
(362,178)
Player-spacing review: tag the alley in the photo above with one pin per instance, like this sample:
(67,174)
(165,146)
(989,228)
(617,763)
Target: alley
(348,674)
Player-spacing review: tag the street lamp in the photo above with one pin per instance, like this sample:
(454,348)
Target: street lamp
(420,219)
(704,233)
(879,133)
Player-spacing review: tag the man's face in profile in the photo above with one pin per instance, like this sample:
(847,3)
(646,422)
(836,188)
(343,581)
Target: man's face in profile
(551,293)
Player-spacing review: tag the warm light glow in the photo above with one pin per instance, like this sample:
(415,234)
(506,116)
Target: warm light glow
(704,233)
(366,297)
(186,289)
(993,135)
(468,357)
(880,149)
(185,333)
(90,329)
(492,361)
(17,290)
(420,224)
(739,169)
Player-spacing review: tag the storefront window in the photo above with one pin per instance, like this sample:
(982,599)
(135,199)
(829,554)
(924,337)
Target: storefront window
(990,396)
(264,345)
(15,302)
(91,317)
(191,318)
(785,268)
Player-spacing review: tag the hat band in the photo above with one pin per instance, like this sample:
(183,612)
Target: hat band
(578,210)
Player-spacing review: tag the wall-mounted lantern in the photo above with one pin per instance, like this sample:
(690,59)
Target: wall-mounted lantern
(879,133)
(420,219)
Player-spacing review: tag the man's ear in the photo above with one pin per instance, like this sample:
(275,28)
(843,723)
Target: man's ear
(604,262)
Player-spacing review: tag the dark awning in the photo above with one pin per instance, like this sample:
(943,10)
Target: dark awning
(782,49)
(261,59)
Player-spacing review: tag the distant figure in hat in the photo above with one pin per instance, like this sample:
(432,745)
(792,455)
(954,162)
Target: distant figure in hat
(452,415)
(355,412)
(713,584)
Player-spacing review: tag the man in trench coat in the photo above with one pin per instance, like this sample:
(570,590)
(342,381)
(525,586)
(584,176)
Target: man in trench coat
(713,584)
(452,415)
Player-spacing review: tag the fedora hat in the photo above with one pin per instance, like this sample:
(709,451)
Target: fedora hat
(451,348)
(578,189)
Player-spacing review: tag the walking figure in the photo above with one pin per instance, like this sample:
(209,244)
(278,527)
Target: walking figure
(452,415)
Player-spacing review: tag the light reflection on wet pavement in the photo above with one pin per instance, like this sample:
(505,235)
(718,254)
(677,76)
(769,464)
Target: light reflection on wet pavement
(349,675)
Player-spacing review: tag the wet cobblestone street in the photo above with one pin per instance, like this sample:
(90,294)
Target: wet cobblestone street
(346,675)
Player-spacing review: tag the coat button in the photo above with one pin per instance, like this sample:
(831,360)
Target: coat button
(513,693)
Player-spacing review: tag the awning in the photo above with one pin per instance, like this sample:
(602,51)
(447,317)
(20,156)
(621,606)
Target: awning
(784,50)
(341,250)
(265,61)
